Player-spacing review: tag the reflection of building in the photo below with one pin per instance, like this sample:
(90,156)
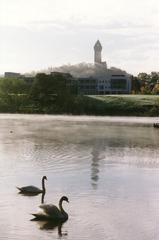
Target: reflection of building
(106,80)
(98,149)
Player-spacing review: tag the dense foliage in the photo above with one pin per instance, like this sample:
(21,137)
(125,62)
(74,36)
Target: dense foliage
(13,94)
(57,94)
(146,83)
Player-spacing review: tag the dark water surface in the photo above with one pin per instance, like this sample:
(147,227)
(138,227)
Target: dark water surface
(108,167)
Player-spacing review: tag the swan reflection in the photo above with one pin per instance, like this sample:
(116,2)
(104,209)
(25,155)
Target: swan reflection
(51,225)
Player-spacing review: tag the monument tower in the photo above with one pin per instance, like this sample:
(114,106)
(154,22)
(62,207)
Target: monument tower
(97,52)
(98,56)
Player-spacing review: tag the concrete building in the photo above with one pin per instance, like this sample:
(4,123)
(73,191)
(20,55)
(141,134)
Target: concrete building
(12,75)
(109,80)
(100,80)
(87,86)
(106,81)
(28,79)
(98,56)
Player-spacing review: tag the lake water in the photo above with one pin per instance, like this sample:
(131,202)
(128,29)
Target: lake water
(107,166)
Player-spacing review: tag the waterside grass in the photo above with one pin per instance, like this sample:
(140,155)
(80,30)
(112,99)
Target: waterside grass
(122,105)
(100,105)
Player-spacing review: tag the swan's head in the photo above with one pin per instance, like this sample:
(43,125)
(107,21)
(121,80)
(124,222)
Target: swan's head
(64,198)
(44,178)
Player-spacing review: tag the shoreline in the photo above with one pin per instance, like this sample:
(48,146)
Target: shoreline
(108,120)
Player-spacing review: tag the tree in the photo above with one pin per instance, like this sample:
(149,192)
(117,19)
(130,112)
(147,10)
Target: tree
(154,77)
(144,77)
(13,94)
(136,85)
(146,89)
(53,88)
(13,86)
(156,89)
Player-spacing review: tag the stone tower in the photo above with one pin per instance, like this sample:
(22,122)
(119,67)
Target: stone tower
(97,52)
(98,57)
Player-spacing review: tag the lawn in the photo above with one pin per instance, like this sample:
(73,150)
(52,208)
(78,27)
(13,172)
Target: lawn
(135,105)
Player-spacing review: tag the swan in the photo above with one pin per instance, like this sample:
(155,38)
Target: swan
(32,190)
(42,197)
(51,212)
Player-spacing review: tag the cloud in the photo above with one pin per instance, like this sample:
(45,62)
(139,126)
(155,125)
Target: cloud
(84,25)
(38,33)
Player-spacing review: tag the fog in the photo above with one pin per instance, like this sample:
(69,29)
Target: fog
(78,70)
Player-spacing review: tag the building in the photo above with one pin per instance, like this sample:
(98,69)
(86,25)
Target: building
(98,56)
(28,79)
(104,80)
(87,86)
(113,81)
(12,75)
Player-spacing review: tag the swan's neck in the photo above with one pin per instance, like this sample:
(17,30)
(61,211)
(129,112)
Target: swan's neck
(61,207)
(43,185)
(64,214)
(42,197)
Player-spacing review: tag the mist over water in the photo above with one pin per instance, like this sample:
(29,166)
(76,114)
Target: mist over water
(107,166)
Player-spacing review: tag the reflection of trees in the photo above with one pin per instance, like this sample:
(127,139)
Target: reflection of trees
(98,148)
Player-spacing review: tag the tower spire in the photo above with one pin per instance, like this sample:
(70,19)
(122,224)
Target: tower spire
(97,52)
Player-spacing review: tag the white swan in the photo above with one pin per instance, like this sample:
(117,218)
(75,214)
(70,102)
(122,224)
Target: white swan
(32,189)
(51,212)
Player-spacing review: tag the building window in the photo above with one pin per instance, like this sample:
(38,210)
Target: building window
(118,83)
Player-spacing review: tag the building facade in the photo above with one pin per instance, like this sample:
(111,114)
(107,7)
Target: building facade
(105,80)
(87,86)
(12,75)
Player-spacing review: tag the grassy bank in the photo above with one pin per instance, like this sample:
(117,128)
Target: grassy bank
(101,105)
(121,105)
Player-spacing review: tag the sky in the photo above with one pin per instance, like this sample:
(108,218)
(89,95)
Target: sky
(37,34)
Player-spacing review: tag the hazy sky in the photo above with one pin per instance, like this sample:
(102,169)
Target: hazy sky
(37,34)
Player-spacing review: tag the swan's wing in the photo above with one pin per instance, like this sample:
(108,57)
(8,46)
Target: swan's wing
(51,210)
(30,189)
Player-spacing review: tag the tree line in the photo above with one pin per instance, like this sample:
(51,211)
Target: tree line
(146,83)
(46,93)
(58,93)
